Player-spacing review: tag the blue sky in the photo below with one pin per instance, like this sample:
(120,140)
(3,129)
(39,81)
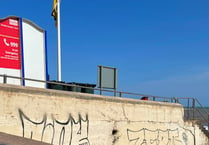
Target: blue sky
(159,47)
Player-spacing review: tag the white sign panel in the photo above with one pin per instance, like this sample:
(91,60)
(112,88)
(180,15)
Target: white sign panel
(34,54)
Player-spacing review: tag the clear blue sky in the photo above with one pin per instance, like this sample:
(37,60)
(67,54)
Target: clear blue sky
(159,47)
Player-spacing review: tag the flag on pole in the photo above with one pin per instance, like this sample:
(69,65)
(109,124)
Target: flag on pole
(54,10)
(56,15)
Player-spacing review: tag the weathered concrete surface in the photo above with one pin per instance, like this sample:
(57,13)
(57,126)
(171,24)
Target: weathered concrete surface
(71,118)
(200,138)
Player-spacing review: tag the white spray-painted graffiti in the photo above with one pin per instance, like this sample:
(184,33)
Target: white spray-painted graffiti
(49,129)
(145,136)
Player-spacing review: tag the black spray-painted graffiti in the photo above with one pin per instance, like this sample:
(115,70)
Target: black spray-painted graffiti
(153,137)
(53,131)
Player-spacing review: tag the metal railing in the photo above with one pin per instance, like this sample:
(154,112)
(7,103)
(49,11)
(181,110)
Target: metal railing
(96,90)
(193,110)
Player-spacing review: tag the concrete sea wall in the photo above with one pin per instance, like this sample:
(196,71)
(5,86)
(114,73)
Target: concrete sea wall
(70,118)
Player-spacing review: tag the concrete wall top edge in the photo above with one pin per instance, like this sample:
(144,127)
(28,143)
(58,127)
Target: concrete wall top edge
(85,96)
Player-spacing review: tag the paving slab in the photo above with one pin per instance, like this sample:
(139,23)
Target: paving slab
(7,139)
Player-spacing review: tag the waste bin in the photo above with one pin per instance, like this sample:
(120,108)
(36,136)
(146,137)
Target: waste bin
(57,85)
(82,87)
(72,86)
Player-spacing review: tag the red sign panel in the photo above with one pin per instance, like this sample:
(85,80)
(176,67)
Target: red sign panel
(10,44)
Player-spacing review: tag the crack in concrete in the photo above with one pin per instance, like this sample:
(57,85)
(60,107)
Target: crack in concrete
(124,113)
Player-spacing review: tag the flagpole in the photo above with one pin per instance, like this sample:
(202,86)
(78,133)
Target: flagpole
(59,73)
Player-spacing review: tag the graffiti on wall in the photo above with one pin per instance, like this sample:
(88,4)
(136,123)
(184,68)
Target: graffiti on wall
(145,136)
(51,130)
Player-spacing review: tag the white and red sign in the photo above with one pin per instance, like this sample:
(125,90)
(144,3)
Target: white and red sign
(22,51)
(10,44)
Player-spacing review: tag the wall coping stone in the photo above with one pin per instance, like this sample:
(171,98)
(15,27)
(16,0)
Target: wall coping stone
(84,96)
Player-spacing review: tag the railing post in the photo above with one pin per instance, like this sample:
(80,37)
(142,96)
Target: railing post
(176,100)
(22,80)
(100,91)
(188,110)
(115,93)
(4,78)
(193,107)
(120,94)
(208,122)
